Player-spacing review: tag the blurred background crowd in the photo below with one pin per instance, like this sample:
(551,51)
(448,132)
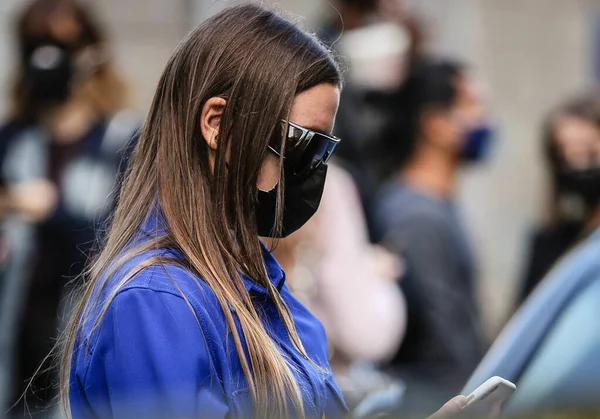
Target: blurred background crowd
(469,166)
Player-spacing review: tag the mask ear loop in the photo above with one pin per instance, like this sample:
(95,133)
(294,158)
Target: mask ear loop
(281,158)
(280,198)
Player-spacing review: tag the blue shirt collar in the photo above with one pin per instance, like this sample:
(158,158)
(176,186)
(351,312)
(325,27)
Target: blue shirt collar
(154,225)
(274,271)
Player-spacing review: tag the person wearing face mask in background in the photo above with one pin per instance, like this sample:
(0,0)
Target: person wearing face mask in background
(441,125)
(571,140)
(380,40)
(61,151)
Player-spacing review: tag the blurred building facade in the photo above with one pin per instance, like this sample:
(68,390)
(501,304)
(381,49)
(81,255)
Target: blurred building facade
(530,52)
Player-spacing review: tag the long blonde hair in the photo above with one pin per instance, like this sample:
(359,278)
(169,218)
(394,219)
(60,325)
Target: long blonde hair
(258,62)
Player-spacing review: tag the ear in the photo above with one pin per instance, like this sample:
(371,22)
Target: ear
(210,120)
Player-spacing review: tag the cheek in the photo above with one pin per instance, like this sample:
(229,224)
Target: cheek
(269,173)
(461,136)
(449,134)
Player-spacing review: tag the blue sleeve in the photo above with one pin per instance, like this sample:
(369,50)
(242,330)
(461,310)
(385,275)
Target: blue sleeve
(147,361)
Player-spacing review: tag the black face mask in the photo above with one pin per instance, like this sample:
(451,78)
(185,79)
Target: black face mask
(583,183)
(301,200)
(49,72)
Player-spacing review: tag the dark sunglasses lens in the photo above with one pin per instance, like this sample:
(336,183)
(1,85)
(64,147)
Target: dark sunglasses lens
(294,136)
(292,139)
(317,151)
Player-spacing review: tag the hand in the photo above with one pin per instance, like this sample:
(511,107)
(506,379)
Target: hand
(451,409)
(386,265)
(33,200)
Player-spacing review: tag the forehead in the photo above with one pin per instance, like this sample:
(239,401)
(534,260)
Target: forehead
(468,88)
(571,129)
(316,107)
(59,21)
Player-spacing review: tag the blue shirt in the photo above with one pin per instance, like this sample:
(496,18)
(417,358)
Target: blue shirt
(150,357)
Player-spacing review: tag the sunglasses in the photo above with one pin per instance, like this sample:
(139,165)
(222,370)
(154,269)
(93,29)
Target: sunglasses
(305,149)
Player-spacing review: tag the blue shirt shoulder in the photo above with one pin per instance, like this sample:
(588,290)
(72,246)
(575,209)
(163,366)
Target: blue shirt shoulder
(162,349)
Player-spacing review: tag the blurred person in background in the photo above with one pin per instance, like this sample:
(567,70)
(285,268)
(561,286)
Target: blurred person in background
(560,373)
(380,40)
(350,286)
(571,139)
(441,125)
(60,154)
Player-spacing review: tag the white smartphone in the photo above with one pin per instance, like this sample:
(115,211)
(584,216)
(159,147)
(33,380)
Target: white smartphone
(494,391)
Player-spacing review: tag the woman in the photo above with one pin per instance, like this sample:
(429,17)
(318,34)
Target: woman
(60,154)
(185,313)
(572,146)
